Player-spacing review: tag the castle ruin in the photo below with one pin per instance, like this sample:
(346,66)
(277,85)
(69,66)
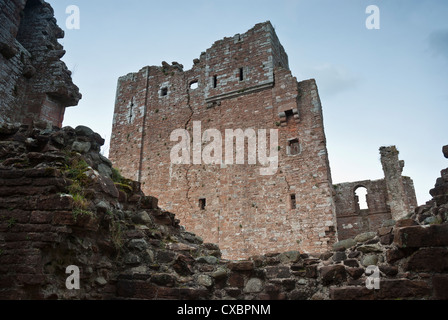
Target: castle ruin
(244,82)
(34,83)
(62,205)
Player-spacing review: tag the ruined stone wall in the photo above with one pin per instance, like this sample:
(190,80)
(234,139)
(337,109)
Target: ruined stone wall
(128,248)
(242,82)
(352,220)
(401,199)
(34,83)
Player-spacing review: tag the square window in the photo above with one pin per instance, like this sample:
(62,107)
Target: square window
(164,91)
(293,147)
(289,115)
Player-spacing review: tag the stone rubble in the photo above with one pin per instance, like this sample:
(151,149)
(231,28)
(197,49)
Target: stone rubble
(128,248)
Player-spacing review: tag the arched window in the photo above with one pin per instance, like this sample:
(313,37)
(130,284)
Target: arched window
(361,198)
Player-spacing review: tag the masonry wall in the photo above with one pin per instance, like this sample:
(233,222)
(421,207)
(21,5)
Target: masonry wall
(242,82)
(34,83)
(381,199)
(126,247)
(401,197)
(351,219)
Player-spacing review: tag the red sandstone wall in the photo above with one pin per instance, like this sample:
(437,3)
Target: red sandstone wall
(353,221)
(245,213)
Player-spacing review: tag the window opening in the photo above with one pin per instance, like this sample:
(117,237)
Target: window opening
(241,74)
(293,147)
(361,198)
(215,81)
(202,203)
(131,109)
(164,91)
(289,115)
(293,201)
(194,85)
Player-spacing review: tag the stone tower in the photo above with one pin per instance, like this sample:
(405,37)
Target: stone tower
(240,83)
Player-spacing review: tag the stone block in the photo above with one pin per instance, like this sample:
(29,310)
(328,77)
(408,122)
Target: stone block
(405,223)
(351,293)
(333,274)
(236,280)
(363,237)
(387,239)
(351,263)
(278,272)
(344,244)
(389,270)
(422,236)
(254,285)
(290,256)
(395,254)
(241,265)
(355,273)
(428,259)
(369,260)
(164,279)
(402,288)
(339,256)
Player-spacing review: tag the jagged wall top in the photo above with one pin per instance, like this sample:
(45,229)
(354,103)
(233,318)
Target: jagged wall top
(34,83)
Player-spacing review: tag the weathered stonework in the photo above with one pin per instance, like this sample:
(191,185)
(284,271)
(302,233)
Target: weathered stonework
(62,204)
(243,82)
(34,83)
(382,197)
(126,247)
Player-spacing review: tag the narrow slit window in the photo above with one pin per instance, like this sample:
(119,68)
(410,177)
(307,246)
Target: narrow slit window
(131,109)
(202,203)
(293,202)
(215,81)
(164,91)
(241,74)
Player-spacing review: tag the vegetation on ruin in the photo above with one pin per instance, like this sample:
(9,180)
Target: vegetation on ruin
(121,182)
(75,169)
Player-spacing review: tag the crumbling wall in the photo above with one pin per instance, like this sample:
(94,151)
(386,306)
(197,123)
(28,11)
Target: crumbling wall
(34,83)
(401,200)
(352,219)
(128,248)
(243,82)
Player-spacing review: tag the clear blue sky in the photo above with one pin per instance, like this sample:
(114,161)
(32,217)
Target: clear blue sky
(378,87)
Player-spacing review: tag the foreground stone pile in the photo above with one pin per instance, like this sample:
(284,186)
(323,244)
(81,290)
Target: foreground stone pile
(62,203)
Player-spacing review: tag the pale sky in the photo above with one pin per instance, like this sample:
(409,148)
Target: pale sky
(378,87)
